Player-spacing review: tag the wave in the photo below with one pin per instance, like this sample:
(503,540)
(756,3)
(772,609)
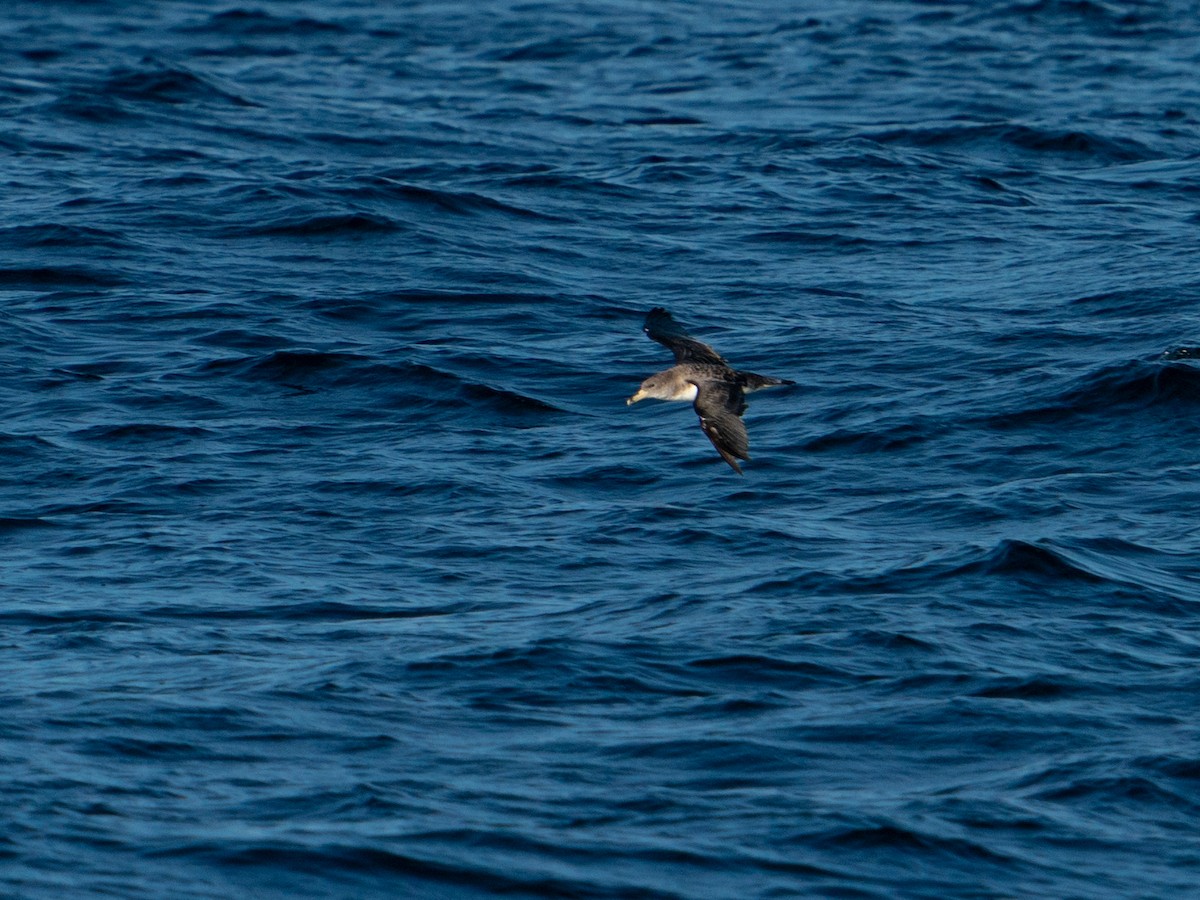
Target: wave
(242,339)
(1133,302)
(452,299)
(1035,688)
(581,48)
(139,748)
(88,105)
(258,23)
(566,181)
(311,611)
(664,119)
(759,670)
(420,385)
(53,234)
(378,187)
(600,480)
(891,836)
(1173,766)
(1158,578)
(1116,20)
(472,393)
(284,366)
(140,432)
(878,440)
(1023,558)
(1023,138)
(808,238)
(507,400)
(156,83)
(1137,384)
(413,863)
(1108,791)
(14,447)
(350,224)
(23,523)
(40,278)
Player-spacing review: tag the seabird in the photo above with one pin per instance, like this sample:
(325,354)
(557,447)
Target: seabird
(716,389)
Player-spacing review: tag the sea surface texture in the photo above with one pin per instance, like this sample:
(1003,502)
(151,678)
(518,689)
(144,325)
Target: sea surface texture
(333,564)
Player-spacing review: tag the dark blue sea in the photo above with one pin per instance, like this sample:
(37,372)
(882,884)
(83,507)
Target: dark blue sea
(333,563)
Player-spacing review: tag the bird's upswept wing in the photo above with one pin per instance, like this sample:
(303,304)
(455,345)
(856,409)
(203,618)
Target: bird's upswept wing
(661,327)
(720,405)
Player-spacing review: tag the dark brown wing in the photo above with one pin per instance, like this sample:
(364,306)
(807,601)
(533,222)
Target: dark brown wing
(661,327)
(720,405)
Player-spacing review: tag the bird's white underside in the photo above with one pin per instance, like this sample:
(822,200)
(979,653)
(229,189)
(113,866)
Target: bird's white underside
(686,392)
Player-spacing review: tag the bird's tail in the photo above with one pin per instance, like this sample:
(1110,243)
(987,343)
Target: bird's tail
(752,382)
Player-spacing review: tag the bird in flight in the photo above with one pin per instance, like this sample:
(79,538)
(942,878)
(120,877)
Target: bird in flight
(717,390)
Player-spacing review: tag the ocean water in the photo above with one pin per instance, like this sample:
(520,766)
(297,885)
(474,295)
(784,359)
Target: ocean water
(332,563)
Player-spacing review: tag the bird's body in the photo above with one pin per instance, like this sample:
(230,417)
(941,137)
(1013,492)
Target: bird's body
(701,377)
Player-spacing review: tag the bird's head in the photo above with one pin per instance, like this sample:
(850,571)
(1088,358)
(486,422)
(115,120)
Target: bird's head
(656,387)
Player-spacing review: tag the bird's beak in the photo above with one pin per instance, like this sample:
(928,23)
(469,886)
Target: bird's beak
(640,395)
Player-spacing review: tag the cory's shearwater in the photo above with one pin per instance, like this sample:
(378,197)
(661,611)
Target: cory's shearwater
(716,389)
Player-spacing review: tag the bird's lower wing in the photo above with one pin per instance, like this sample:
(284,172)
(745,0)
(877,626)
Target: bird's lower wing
(719,406)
